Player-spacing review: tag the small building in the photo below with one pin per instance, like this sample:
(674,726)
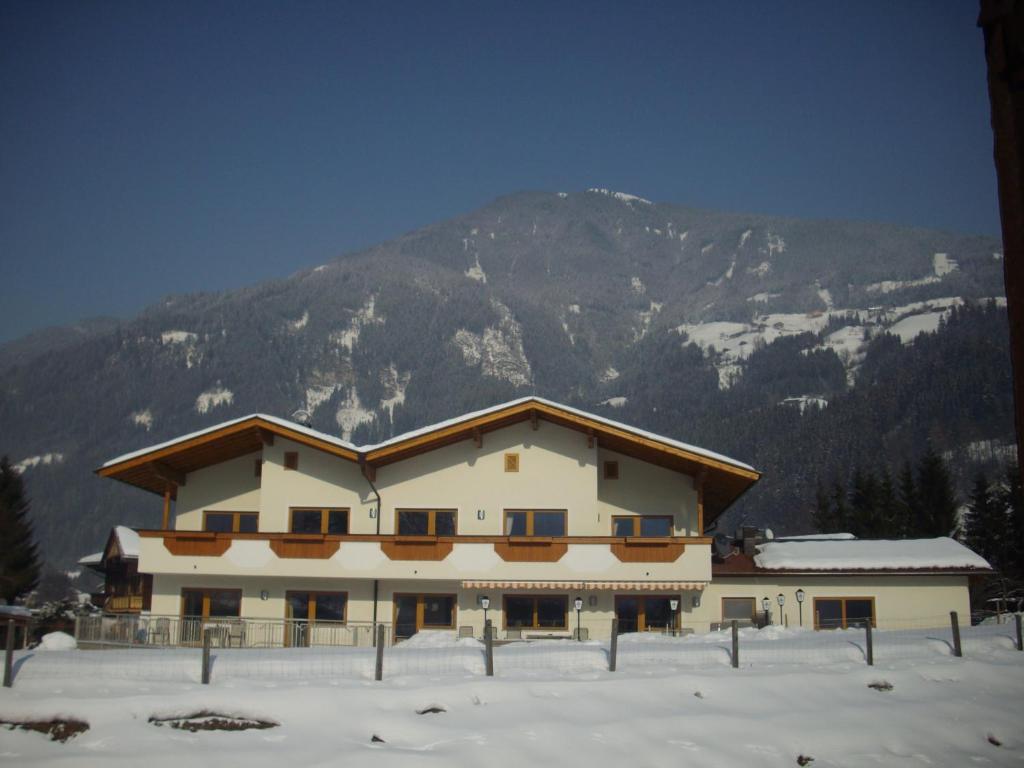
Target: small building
(828,581)
(125,590)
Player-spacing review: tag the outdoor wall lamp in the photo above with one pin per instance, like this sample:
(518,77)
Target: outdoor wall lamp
(695,601)
(800,603)
(264,595)
(766,604)
(485,603)
(782,599)
(481,514)
(578,602)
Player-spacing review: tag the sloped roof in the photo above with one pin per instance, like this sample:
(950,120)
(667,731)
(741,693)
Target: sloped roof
(844,553)
(725,479)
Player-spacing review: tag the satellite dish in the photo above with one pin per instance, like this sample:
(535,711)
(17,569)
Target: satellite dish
(768,534)
(302,417)
(723,547)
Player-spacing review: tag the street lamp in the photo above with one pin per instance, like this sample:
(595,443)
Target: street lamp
(578,602)
(782,601)
(673,603)
(800,602)
(766,604)
(485,603)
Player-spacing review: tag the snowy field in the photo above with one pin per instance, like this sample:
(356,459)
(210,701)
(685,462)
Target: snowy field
(672,702)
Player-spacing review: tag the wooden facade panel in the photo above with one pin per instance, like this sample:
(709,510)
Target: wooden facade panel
(518,550)
(633,551)
(185,545)
(417,548)
(305,548)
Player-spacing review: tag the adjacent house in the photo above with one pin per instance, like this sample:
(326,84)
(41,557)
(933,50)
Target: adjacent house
(539,517)
(125,589)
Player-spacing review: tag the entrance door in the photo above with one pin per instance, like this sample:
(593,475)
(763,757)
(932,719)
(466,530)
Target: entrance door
(646,613)
(296,626)
(627,611)
(416,612)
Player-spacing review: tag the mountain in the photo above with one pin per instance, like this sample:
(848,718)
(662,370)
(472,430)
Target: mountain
(799,346)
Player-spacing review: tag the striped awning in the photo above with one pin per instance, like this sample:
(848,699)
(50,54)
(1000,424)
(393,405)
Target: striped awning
(621,586)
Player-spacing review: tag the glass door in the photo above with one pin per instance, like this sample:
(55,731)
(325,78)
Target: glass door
(405,616)
(296,627)
(627,611)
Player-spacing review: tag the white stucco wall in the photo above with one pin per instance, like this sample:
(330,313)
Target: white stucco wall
(231,486)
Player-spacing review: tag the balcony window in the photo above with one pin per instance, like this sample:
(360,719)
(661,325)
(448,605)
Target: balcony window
(231,522)
(425,522)
(535,522)
(536,612)
(641,525)
(331,521)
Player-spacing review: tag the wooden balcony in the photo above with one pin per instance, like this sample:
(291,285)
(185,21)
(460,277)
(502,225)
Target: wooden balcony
(639,549)
(123,603)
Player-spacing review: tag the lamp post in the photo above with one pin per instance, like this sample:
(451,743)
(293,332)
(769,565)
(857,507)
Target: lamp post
(800,602)
(673,603)
(782,601)
(485,603)
(766,604)
(578,602)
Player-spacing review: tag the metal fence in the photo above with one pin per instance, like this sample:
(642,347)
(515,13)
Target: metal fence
(151,648)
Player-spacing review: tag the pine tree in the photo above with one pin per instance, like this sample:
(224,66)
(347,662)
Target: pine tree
(865,518)
(907,505)
(984,528)
(840,510)
(889,507)
(937,512)
(19,560)
(822,516)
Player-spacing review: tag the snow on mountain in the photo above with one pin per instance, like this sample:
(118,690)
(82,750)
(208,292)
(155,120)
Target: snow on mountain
(32,462)
(213,398)
(142,419)
(626,198)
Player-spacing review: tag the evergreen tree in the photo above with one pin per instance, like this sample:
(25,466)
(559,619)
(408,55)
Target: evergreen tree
(19,560)
(889,507)
(907,505)
(985,523)
(840,510)
(937,511)
(864,514)
(822,516)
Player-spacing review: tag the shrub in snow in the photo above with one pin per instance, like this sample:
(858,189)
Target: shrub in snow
(57,641)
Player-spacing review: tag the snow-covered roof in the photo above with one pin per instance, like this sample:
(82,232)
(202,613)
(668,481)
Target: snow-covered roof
(818,537)
(331,439)
(93,559)
(850,554)
(575,411)
(128,540)
(294,426)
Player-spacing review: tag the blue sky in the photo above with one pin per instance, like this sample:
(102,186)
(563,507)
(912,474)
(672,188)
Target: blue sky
(157,148)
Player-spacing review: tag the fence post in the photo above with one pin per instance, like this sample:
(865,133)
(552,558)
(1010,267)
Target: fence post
(870,647)
(612,656)
(1020,640)
(206,656)
(378,673)
(735,644)
(954,621)
(489,646)
(9,656)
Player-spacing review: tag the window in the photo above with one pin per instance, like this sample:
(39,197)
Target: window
(535,522)
(211,603)
(641,525)
(231,522)
(511,462)
(843,612)
(415,612)
(738,608)
(611,470)
(425,522)
(644,613)
(536,612)
(333,521)
(291,460)
(316,606)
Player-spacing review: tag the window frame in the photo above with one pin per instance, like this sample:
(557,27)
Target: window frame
(311,595)
(206,601)
(431,520)
(324,519)
(236,519)
(753,608)
(638,525)
(842,603)
(641,609)
(420,598)
(534,597)
(530,513)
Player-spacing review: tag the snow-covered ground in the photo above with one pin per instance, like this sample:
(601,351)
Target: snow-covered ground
(672,702)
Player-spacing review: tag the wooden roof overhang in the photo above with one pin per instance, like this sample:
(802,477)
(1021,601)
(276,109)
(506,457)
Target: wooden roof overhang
(723,483)
(165,468)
